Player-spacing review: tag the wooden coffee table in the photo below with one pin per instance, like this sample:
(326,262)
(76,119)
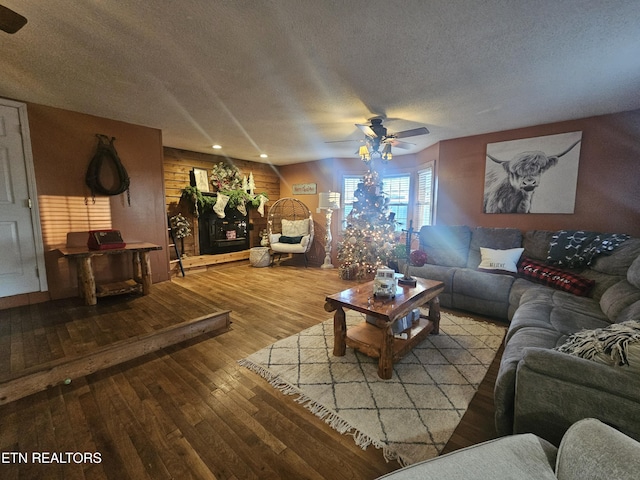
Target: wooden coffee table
(377,341)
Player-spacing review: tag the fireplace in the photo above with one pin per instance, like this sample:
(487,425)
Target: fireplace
(223,235)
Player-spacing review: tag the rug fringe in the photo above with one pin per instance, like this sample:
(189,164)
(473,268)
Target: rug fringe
(330,417)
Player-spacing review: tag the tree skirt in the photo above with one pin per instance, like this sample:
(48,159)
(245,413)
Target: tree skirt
(410,416)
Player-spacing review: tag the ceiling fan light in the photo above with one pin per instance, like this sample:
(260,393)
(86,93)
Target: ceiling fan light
(365,156)
(386,152)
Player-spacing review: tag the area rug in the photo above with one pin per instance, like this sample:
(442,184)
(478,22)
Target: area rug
(410,416)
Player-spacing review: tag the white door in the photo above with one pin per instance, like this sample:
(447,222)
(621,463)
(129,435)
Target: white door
(21,251)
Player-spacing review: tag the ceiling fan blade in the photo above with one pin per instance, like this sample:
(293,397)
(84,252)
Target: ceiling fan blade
(11,21)
(411,133)
(367,130)
(401,145)
(343,141)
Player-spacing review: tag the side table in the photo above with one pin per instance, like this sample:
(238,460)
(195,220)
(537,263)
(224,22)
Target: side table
(87,287)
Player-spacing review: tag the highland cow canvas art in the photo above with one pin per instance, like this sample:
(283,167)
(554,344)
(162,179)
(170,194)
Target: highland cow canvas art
(532,175)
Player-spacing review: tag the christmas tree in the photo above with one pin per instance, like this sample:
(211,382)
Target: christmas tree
(369,238)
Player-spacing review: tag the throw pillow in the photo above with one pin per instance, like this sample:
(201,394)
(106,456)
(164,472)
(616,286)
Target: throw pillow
(418,258)
(616,345)
(286,239)
(499,261)
(577,248)
(554,277)
(295,228)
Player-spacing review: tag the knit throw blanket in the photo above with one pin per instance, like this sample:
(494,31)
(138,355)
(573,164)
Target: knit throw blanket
(613,345)
(577,248)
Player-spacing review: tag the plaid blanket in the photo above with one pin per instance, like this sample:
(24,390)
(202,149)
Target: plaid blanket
(577,248)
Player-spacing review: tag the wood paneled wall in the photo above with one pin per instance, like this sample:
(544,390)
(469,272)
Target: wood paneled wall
(178,164)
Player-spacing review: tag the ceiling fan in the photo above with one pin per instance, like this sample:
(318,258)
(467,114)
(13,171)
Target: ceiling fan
(377,133)
(11,21)
(376,136)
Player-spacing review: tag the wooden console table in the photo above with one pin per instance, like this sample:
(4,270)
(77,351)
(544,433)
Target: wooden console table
(87,288)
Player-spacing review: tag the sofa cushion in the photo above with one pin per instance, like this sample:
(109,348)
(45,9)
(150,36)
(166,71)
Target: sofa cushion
(522,456)
(615,345)
(617,298)
(483,293)
(633,274)
(556,311)
(536,243)
(438,273)
(603,281)
(505,386)
(499,261)
(494,238)
(592,450)
(554,277)
(632,312)
(446,245)
(619,260)
(519,287)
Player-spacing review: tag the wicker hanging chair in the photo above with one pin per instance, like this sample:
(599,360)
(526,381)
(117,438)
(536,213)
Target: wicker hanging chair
(290,227)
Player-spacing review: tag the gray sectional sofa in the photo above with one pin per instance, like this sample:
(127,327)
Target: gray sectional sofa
(540,389)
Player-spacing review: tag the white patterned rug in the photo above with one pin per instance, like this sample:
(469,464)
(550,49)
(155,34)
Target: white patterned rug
(412,415)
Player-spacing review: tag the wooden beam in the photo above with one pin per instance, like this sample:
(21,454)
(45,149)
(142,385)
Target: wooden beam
(64,370)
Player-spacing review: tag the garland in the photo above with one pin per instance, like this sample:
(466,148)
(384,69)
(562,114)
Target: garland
(227,180)
(201,203)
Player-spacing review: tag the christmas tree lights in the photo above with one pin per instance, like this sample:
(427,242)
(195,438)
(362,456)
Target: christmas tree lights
(369,238)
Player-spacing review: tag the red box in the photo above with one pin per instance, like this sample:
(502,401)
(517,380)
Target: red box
(105,240)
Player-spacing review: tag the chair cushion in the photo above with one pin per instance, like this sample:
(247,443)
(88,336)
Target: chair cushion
(295,228)
(288,247)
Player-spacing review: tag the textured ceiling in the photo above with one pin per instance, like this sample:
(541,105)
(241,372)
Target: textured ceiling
(284,77)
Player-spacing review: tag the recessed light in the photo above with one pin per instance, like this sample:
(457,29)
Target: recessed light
(264,155)
(216,146)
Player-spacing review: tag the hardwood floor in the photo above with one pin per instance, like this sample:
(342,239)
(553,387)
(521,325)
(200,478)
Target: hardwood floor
(188,410)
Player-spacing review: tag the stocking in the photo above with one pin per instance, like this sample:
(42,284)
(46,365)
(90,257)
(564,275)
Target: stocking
(263,200)
(242,208)
(221,203)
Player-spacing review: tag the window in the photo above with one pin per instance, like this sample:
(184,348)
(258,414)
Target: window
(395,186)
(423,211)
(349,187)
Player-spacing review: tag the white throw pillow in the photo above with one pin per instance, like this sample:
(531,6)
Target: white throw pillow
(505,260)
(295,228)
(274,238)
